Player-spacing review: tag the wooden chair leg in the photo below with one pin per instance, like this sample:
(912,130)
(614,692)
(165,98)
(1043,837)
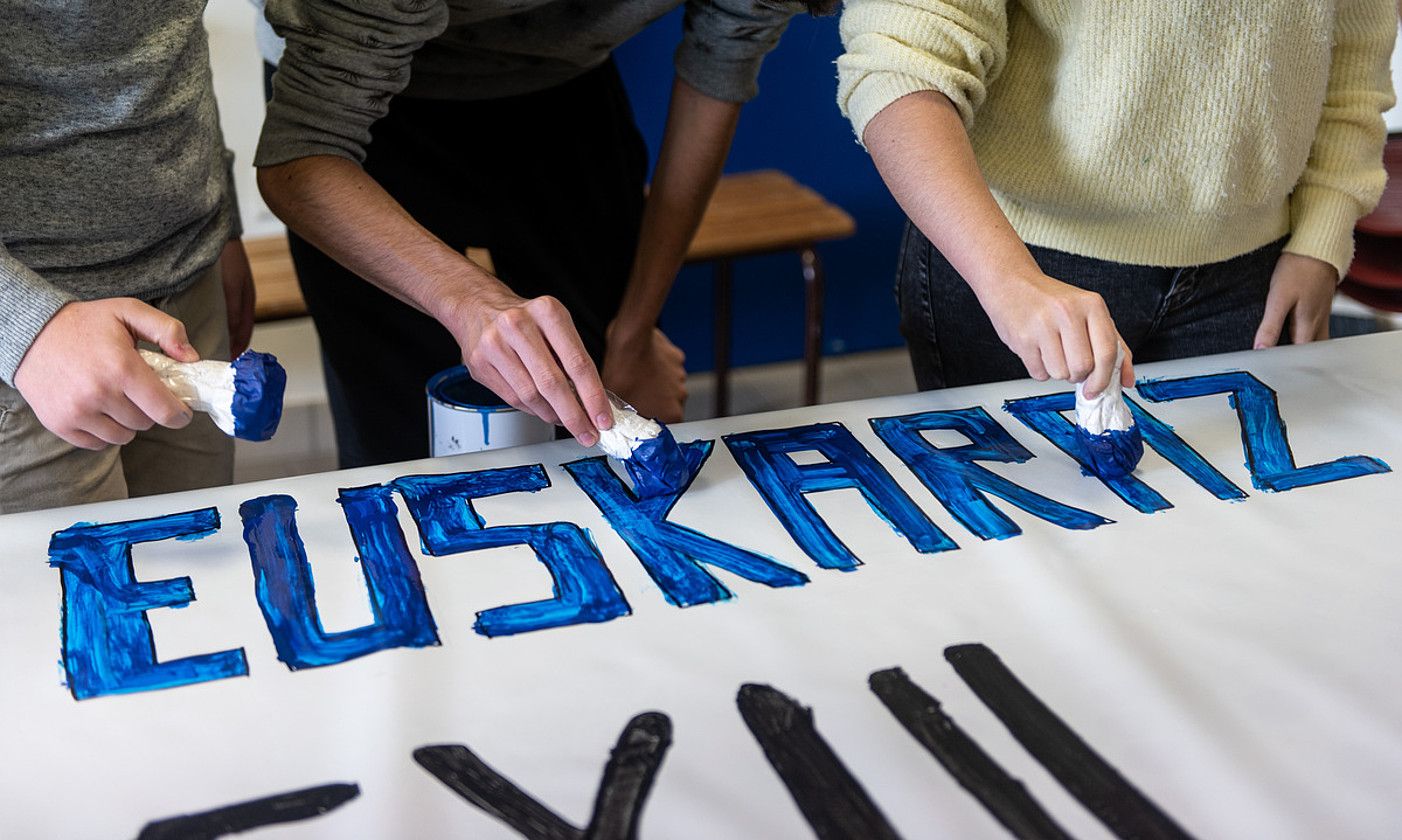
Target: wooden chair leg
(813,323)
(722,336)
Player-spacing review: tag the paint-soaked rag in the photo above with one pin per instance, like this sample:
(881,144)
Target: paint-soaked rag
(243,397)
(647,449)
(1105,429)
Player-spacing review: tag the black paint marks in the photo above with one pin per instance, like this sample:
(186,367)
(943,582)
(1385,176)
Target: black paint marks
(256,813)
(623,791)
(628,777)
(832,801)
(1004,796)
(1115,802)
(830,797)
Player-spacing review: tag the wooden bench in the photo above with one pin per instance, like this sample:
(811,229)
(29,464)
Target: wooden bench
(752,213)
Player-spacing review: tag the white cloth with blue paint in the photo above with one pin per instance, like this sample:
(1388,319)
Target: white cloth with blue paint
(1110,442)
(242,397)
(647,449)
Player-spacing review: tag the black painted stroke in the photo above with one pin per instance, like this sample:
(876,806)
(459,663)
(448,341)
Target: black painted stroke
(831,799)
(1002,795)
(1123,809)
(623,791)
(256,813)
(628,777)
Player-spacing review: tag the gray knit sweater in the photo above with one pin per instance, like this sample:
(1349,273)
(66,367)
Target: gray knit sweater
(113,174)
(345,59)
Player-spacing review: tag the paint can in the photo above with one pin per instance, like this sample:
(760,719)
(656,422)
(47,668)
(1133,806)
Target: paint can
(463,416)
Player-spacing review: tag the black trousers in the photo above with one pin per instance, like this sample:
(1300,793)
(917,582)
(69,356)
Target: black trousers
(551,183)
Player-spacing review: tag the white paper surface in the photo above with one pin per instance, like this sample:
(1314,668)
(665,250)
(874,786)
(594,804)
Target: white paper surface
(1238,662)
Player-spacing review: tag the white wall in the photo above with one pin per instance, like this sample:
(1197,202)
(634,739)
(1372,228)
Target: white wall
(238,82)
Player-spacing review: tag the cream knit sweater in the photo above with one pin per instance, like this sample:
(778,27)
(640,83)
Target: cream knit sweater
(1152,132)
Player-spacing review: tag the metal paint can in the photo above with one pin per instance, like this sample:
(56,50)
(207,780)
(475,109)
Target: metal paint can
(463,416)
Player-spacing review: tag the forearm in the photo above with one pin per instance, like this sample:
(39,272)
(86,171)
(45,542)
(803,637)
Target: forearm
(1059,331)
(335,205)
(923,153)
(694,146)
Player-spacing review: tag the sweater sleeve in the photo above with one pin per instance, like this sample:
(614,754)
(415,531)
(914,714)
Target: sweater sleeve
(724,42)
(1344,177)
(898,47)
(27,302)
(344,61)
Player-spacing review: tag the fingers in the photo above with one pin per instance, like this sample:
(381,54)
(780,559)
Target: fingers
(588,388)
(1272,322)
(128,415)
(1127,369)
(241,333)
(146,394)
(1309,322)
(651,376)
(1054,358)
(240,295)
(533,358)
(1105,348)
(150,324)
(108,430)
(1058,331)
(82,439)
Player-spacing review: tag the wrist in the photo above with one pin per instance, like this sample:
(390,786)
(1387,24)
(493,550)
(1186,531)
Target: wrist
(462,297)
(992,286)
(629,332)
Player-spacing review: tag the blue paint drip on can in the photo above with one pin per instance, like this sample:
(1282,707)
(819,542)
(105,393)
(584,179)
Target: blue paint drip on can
(454,397)
(259,383)
(1112,453)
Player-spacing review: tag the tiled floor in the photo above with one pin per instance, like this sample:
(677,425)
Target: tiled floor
(304,443)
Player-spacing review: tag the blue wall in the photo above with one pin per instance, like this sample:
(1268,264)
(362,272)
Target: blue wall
(793,125)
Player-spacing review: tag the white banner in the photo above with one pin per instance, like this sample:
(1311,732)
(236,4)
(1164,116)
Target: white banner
(991,643)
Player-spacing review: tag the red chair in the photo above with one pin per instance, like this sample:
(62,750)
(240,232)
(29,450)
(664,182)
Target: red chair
(1375,277)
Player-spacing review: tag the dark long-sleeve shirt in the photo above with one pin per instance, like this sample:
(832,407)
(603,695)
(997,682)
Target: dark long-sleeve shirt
(345,59)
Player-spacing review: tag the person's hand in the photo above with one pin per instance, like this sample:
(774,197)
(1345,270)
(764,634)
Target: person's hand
(239,295)
(1302,291)
(1058,330)
(529,354)
(647,370)
(85,380)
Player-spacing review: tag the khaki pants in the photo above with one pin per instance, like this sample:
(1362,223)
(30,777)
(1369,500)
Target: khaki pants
(39,470)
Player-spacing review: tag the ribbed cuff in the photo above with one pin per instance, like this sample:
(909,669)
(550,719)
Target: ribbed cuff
(28,304)
(1321,225)
(878,90)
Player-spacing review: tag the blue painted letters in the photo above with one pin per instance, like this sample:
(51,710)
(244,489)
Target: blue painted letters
(672,554)
(107,643)
(287,594)
(1263,437)
(960,484)
(765,458)
(584,591)
(1044,416)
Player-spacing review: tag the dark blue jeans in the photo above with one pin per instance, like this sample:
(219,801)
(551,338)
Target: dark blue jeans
(1161,313)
